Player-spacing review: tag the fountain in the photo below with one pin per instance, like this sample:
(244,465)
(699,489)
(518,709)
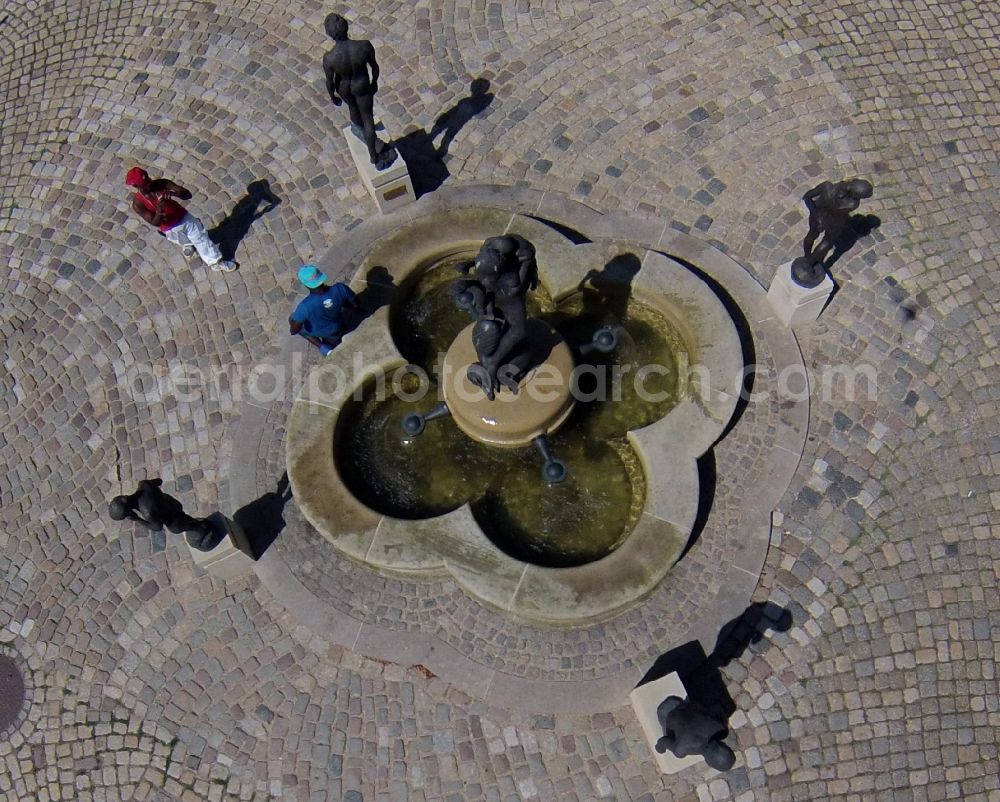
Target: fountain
(415,447)
(503,350)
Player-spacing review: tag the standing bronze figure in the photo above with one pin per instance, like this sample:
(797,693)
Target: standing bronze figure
(150,507)
(503,271)
(830,207)
(690,729)
(352,76)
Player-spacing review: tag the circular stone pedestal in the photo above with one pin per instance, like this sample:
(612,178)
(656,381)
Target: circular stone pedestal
(541,405)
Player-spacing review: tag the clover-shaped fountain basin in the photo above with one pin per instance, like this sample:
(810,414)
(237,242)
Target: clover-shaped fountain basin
(443,502)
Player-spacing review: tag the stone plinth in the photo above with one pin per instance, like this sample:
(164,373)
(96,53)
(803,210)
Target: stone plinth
(234,554)
(794,304)
(645,699)
(541,405)
(391,187)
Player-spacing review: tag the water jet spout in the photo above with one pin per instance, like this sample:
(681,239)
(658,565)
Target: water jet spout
(604,340)
(553,471)
(415,422)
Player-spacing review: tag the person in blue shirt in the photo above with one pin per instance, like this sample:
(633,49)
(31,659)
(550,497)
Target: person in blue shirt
(319,317)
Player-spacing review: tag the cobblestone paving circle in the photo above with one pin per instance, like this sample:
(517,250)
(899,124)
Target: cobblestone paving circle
(149,680)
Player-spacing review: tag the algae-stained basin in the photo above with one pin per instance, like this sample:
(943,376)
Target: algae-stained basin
(441,502)
(574,522)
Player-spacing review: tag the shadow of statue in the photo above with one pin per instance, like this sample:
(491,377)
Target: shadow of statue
(701,673)
(451,121)
(425,160)
(858,227)
(229,233)
(604,295)
(606,292)
(427,171)
(263,519)
(747,630)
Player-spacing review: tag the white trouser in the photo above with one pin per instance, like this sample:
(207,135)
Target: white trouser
(190,231)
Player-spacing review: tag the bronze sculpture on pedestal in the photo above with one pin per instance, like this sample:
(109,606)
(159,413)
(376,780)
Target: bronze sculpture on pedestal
(690,729)
(830,207)
(352,76)
(502,273)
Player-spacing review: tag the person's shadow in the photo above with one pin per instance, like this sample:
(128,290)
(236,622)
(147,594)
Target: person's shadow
(229,233)
(425,160)
(858,227)
(380,289)
(701,673)
(263,519)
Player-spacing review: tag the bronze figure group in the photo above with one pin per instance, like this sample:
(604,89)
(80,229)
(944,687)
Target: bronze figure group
(501,275)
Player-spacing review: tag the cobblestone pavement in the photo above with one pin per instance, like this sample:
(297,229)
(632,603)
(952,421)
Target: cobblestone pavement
(149,680)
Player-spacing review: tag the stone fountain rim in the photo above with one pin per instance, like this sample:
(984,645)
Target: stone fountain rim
(495,686)
(454,543)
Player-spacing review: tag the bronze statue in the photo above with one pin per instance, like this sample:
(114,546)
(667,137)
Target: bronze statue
(830,207)
(346,68)
(150,507)
(503,271)
(689,729)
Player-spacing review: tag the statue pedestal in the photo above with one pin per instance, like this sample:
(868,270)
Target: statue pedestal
(645,699)
(391,187)
(793,303)
(232,557)
(543,401)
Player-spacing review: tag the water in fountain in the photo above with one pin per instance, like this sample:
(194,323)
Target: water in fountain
(577,521)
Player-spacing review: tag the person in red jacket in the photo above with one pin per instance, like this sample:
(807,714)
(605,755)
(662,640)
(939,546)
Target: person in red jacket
(154,202)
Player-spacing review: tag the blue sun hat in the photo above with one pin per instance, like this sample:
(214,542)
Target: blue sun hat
(311,276)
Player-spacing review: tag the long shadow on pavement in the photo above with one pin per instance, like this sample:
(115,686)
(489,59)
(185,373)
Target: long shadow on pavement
(229,233)
(424,159)
(263,519)
(701,673)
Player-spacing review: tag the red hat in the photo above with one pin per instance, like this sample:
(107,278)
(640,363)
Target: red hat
(136,177)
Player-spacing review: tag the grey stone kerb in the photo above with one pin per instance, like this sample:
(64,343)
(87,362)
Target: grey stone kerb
(530,592)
